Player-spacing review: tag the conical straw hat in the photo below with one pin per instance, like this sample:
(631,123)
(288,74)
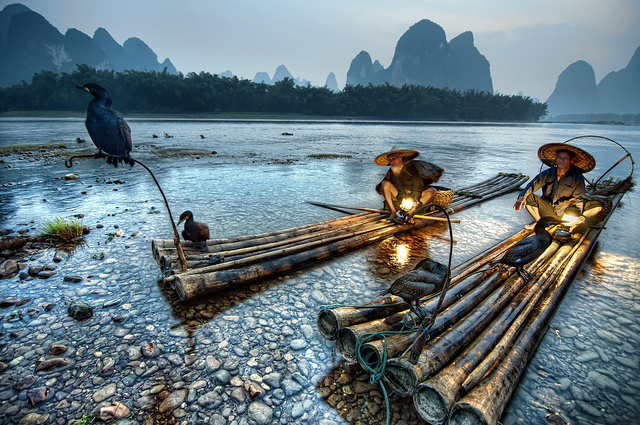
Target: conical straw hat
(383,159)
(583,159)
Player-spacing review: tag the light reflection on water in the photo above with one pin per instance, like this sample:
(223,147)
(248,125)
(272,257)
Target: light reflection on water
(247,188)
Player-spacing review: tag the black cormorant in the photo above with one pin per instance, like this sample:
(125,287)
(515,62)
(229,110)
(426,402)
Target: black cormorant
(418,283)
(198,233)
(107,128)
(529,248)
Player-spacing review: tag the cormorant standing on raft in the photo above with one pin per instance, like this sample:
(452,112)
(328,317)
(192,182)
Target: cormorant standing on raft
(198,233)
(418,283)
(107,128)
(529,248)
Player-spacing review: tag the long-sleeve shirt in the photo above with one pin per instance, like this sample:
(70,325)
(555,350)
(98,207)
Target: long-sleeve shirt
(558,192)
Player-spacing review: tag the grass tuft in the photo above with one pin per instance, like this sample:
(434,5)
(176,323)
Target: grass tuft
(63,230)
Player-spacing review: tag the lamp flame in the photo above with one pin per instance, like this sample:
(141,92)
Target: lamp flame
(569,218)
(407,204)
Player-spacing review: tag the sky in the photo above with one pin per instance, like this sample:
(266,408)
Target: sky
(528,43)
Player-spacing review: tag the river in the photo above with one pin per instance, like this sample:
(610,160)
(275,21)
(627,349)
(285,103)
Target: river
(253,176)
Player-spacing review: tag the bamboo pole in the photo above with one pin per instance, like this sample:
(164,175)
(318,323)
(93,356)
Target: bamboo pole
(434,398)
(423,217)
(404,376)
(485,403)
(189,285)
(330,321)
(283,234)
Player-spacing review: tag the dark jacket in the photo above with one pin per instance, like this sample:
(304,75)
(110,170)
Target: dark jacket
(558,192)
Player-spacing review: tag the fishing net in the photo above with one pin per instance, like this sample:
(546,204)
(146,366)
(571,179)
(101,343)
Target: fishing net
(613,162)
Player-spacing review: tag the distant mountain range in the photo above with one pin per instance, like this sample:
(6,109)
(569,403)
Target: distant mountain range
(424,57)
(576,91)
(30,44)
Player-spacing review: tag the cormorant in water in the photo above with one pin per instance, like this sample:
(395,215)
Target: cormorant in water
(418,283)
(107,128)
(198,233)
(529,248)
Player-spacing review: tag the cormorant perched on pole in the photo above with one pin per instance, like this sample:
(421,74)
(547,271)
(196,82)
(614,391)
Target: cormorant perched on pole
(107,128)
(198,233)
(529,248)
(418,283)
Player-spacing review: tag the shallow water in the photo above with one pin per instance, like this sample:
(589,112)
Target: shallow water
(257,180)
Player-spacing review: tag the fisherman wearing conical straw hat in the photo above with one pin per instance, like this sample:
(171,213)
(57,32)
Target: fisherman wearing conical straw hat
(407,179)
(562,185)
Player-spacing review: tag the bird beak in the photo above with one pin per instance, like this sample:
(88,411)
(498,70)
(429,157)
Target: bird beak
(181,221)
(83,88)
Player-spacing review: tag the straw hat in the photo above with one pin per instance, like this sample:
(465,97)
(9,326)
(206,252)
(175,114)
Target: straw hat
(383,159)
(583,159)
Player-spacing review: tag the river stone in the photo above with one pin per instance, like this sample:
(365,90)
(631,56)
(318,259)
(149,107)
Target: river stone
(24,383)
(71,176)
(51,364)
(9,269)
(56,350)
(38,395)
(150,350)
(104,393)
(8,302)
(173,401)
(602,381)
(260,413)
(46,274)
(111,412)
(72,279)
(608,336)
(298,344)
(291,387)
(80,310)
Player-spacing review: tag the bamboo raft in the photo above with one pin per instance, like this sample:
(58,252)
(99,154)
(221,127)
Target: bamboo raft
(488,329)
(233,262)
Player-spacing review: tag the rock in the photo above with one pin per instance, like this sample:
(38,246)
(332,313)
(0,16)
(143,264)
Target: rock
(111,303)
(71,176)
(222,377)
(72,279)
(260,413)
(173,401)
(46,274)
(8,302)
(24,383)
(212,364)
(252,389)
(104,393)
(150,350)
(298,344)
(34,270)
(9,269)
(272,379)
(51,364)
(111,412)
(56,350)
(80,310)
(291,387)
(38,395)
(59,256)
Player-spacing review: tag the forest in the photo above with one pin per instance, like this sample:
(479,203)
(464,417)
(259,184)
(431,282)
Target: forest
(205,93)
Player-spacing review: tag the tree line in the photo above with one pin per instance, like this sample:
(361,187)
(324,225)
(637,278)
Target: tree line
(205,93)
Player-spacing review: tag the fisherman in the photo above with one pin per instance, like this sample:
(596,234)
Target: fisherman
(407,179)
(562,185)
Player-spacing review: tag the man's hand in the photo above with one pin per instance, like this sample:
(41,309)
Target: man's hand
(520,202)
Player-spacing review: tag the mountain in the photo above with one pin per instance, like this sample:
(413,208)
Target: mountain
(576,91)
(620,90)
(331,83)
(281,73)
(30,44)
(424,57)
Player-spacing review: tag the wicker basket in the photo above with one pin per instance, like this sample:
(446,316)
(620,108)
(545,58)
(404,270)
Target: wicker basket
(443,198)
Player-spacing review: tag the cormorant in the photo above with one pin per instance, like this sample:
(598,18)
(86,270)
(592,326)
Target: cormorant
(107,128)
(198,233)
(418,283)
(529,248)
